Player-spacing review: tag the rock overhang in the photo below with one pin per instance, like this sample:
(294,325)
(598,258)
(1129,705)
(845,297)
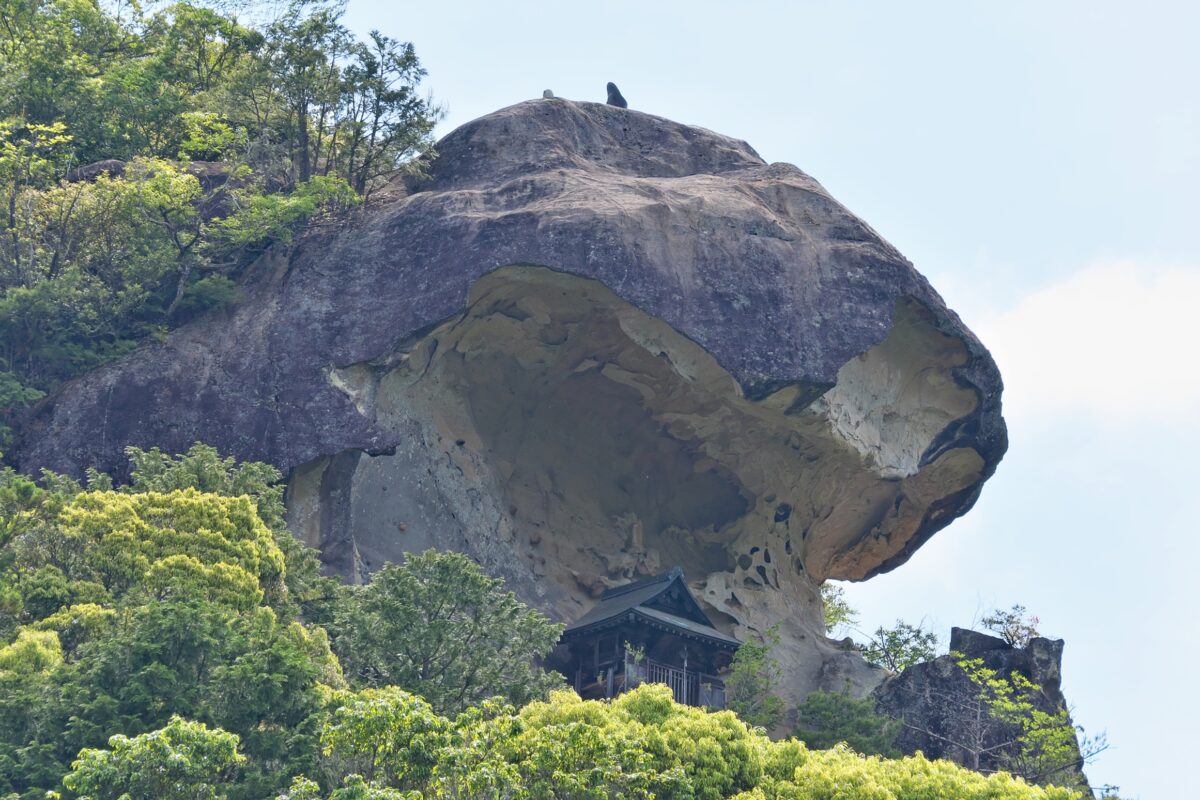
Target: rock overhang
(551,379)
(780,375)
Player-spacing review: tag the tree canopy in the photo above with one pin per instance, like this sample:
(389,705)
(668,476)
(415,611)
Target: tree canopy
(166,604)
(149,154)
(182,761)
(131,607)
(388,744)
(1016,626)
(438,626)
(900,646)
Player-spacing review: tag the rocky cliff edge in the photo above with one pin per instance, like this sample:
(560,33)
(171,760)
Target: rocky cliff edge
(591,344)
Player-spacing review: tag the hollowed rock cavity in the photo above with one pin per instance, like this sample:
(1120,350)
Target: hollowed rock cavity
(589,344)
(573,442)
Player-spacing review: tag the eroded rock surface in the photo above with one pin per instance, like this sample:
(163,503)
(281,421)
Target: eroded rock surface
(591,345)
(943,717)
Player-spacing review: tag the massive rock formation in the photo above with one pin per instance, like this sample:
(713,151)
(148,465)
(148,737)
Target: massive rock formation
(943,716)
(591,344)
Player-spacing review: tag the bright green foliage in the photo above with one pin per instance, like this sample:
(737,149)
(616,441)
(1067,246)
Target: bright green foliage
(827,718)
(386,735)
(183,544)
(32,652)
(840,774)
(437,626)
(188,81)
(266,218)
(355,788)
(244,671)
(207,137)
(1015,626)
(183,761)
(76,624)
(233,139)
(131,610)
(201,467)
(900,647)
(137,606)
(750,687)
(642,745)
(838,613)
(88,266)
(345,105)
(25,511)
(1042,747)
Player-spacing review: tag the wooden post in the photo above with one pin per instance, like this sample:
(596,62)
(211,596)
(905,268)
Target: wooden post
(686,699)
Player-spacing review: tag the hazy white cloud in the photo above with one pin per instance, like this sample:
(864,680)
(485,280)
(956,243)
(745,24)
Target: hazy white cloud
(1117,340)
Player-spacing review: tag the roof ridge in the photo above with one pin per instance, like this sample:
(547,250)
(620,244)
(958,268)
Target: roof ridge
(664,577)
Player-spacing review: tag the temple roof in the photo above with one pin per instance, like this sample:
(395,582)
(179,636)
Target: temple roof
(662,601)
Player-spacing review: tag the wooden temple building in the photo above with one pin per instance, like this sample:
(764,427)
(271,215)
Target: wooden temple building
(649,631)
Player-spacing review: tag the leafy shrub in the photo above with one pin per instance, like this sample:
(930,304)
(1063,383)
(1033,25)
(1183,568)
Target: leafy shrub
(642,745)
(438,626)
(829,718)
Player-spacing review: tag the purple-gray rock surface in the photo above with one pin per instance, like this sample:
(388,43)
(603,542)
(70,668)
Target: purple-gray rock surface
(944,716)
(590,344)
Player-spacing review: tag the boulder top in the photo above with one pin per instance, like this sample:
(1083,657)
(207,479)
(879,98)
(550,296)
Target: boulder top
(552,134)
(660,284)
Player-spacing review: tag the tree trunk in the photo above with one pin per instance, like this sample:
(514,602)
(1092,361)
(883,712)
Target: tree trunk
(303,165)
(185,270)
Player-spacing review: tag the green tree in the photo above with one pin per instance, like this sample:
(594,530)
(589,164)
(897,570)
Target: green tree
(32,652)
(639,746)
(269,218)
(306,44)
(50,54)
(1015,626)
(25,510)
(388,736)
(182,761)
(184,543)
(385,124)
(153,600)
(900,647)
(1037,745)
(215,141)
(837,612)
(753,676)
(827,718)
(355,787)
(308,595)
(437,626)
(1001,722)
(350,108)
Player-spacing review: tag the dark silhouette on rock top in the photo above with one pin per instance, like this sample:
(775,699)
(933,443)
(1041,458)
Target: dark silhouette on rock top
(587,345)
(614,96)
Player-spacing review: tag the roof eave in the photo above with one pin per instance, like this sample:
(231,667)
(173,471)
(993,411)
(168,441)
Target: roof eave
(630,615)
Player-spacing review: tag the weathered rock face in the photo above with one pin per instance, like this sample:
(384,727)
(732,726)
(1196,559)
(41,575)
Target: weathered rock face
(937,701)
(592,344)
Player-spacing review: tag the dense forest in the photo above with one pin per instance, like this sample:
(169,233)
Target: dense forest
(149,154)
(168,637)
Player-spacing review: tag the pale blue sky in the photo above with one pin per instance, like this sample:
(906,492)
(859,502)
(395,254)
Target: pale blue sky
(1038,161)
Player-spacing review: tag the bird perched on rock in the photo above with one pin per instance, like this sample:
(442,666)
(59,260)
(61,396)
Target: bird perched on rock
(614,96)
(547,94)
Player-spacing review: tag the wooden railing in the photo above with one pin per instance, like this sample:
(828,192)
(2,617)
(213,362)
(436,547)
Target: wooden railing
(688,687)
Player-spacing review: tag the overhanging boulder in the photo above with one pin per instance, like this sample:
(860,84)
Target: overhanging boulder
(592,343)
